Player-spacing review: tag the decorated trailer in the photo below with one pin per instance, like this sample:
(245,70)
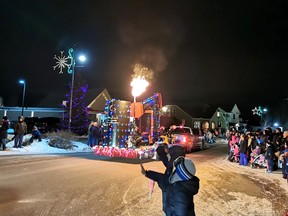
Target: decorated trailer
(124,120)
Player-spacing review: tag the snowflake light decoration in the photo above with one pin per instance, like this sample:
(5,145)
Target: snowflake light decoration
(61,62)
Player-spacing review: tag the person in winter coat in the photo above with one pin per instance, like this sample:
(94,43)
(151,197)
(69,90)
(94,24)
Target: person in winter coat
(4,126)
(167,156)
(20,130)
(183,185)
(269,155)
(95,134)
(285,161)
(35,134)
(252,143)
(277,137)
(89,142)
(284,155)
(180,188)
(243,150)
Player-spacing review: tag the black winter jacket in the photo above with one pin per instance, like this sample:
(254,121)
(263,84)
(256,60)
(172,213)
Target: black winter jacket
(162,179)
(179,200)
(3,129)
(243,146)
(269,153)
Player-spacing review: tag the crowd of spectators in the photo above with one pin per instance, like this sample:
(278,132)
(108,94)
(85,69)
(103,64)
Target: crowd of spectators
(266,148)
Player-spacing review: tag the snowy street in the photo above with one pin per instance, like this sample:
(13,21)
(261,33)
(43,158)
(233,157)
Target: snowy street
(81,183)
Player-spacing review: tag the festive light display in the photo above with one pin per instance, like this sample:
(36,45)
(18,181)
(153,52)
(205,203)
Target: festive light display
(152,106)
(62,62)
(116,124)
(257,111)
(79,117)
(125,152)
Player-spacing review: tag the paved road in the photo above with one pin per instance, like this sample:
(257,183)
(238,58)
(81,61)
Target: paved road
(81,184)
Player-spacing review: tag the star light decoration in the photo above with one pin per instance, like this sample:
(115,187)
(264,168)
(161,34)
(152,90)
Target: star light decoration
(257,111)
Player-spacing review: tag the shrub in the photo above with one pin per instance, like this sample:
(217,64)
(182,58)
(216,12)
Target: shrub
(61,139)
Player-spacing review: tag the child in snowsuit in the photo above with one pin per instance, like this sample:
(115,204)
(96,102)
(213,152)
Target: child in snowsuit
(35,134)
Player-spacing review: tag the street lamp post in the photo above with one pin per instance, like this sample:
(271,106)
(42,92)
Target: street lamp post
(23,95)
(71,99)
(62,62)
(71,70)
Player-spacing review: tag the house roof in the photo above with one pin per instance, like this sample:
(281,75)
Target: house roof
(97,99)
(92,93)
(207,110)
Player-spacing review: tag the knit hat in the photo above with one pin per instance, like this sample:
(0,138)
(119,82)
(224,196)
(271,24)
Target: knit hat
(184,170)
(174,152)
(5,118)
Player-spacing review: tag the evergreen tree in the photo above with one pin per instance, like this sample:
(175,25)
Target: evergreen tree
(79,116)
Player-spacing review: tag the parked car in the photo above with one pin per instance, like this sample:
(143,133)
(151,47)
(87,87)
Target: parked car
(44,124)
(11,127)
(188,138)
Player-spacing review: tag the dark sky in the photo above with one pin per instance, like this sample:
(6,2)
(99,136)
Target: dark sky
(202,52)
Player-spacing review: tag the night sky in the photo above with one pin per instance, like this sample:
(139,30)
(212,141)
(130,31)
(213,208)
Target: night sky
(202,52)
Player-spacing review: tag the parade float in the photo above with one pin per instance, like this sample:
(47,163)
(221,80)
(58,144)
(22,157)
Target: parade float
(131,129)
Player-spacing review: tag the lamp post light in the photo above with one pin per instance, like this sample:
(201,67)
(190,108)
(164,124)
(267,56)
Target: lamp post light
(71,70)
(62,62)
(23,95)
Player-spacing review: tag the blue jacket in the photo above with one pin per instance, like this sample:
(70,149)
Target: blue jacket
(36,133)
(163,178)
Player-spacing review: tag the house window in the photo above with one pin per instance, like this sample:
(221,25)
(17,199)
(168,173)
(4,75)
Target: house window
(196,124)
(174,111)
(233,116)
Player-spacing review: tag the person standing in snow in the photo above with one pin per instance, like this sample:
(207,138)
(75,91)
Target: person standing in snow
(20,130)
(269,156)
(4,126)
(89,142)
(95,134)
(180,186)
(183,185)
(243,150)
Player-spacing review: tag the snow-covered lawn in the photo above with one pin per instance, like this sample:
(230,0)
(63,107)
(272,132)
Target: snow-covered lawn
(42,148)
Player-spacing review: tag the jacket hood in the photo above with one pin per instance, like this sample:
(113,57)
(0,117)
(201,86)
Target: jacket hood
(192,186)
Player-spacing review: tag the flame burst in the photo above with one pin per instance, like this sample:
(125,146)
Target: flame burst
(139,85)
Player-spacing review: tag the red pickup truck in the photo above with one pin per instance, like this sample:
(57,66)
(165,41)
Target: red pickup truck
(188,138)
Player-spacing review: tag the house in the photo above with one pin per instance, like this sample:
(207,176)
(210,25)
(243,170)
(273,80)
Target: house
(45,107)
(96,105)
(13,112)
(224,120)
(220,119)
(178,116)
